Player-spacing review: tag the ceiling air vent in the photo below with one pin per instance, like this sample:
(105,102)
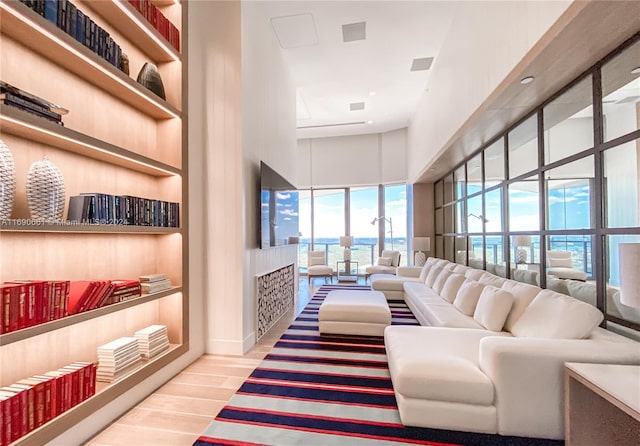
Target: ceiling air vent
(354,31)
(421,64)
(356,106)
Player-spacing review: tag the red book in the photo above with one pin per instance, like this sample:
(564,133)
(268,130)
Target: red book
(5,302)
(28,404)
(63,390)
(79,292)
(19,419)
(7,400)
(34,291)
(39,397)
(98,295)
(105,295)
(11,296)
(54,397)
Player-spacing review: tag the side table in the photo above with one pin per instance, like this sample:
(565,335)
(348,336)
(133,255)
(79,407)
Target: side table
(347,273)
(602,404)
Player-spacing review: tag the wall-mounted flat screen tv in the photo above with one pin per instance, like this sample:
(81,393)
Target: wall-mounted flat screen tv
(278,209)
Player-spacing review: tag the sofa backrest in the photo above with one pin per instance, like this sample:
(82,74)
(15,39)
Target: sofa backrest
(393,255)
(523,294)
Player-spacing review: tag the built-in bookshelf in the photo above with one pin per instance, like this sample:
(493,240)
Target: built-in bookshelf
(119,138)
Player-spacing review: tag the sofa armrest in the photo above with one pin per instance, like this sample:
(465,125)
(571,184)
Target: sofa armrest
(528,377)
(408,271)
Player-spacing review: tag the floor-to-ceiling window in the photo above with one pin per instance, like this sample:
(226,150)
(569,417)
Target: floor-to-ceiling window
(363,208)
(361,212)
(395,210)
(564,179)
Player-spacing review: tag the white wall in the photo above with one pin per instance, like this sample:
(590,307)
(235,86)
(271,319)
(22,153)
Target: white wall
(268,134)
(377,158)
(485,42)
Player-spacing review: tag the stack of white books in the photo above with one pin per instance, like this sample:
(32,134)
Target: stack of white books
(117,358)
(153,283)
(152,340)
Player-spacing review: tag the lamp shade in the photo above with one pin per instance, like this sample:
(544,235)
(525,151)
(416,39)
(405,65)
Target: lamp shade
(629,277)
(421,244)
(521,240)
(346,241)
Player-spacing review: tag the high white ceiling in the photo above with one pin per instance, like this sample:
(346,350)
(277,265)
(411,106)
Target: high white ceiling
(331,74)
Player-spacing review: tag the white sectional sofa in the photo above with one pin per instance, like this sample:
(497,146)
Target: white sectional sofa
(489,356)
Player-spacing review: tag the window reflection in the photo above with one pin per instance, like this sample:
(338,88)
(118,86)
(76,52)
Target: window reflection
(494,164)
(523,147)
(460,182)
(621,93)
(474,174)
(569,195)
(622,185)
(524,211)
(568,122)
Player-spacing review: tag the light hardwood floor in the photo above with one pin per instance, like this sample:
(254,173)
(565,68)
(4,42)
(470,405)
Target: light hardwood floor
(178,412)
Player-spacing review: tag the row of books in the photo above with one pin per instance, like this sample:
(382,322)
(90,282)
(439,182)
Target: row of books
(155,17)
(23,100)
(29,403)
(97,208)
(28,303)
(154,283)
(66,16)
(85,295)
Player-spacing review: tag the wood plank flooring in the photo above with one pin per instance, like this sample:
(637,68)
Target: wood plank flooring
(178,412)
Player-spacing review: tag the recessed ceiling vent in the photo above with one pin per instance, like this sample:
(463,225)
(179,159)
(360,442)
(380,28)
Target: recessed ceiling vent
(356,106)
(421,64)
(329,125)
(295,31)
(354,31)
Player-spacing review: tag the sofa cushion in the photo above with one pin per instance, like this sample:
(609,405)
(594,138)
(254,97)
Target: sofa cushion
(493,308)
(450,267)
(467,296)
(490,279)
(474,274)
(460,269)
(438,363)
(440,280)
(559,261)
(446,315)
(556,316)
(393,283)
(451,287)
(432,276)
(384,261)
(523,294)
(424,271)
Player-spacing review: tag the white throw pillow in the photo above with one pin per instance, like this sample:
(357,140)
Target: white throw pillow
(523,294)
(490,279)
(560,262)
(493,307)
(474,274)
(384,261)
(424,271)
(393,255)
(556,316)
(467,297)
(440,281)
(434,272)
(451,287)
(315,261)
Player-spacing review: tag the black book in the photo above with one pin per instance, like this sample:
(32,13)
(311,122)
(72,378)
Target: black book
(80,26)
(62,13)
(8,88)
(73,20)
(79,208)
(15,99)
(51,11)
(28,110)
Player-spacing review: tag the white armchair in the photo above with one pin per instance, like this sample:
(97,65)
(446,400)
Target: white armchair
(559,264)
(317,265)
(386,264)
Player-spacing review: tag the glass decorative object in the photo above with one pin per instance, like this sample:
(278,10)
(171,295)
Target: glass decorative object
(45,191)
(7,181)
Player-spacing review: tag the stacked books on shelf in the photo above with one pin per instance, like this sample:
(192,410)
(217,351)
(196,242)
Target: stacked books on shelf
(117,358)
(152,340)
(70,19)
(105,209)
(153,283)
(29,403)
(25,303)
(30,103)
(85,295)
(155,17)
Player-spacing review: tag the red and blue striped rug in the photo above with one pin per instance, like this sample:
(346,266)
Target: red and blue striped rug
(328,390)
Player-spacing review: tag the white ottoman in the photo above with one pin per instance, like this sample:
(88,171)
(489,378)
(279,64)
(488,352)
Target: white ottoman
(354,312)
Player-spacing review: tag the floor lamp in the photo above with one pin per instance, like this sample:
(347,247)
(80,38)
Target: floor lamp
(373,222)
(629,279)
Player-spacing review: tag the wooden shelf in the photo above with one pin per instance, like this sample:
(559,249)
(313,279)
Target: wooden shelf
(26,333)
(133,25)
(34,128)
(82,228)
(104,395)
(43,37)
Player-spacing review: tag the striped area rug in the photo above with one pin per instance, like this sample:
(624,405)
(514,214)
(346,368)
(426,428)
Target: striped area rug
(328,390)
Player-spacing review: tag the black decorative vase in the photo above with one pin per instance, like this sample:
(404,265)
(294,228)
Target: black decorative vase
(149,77)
